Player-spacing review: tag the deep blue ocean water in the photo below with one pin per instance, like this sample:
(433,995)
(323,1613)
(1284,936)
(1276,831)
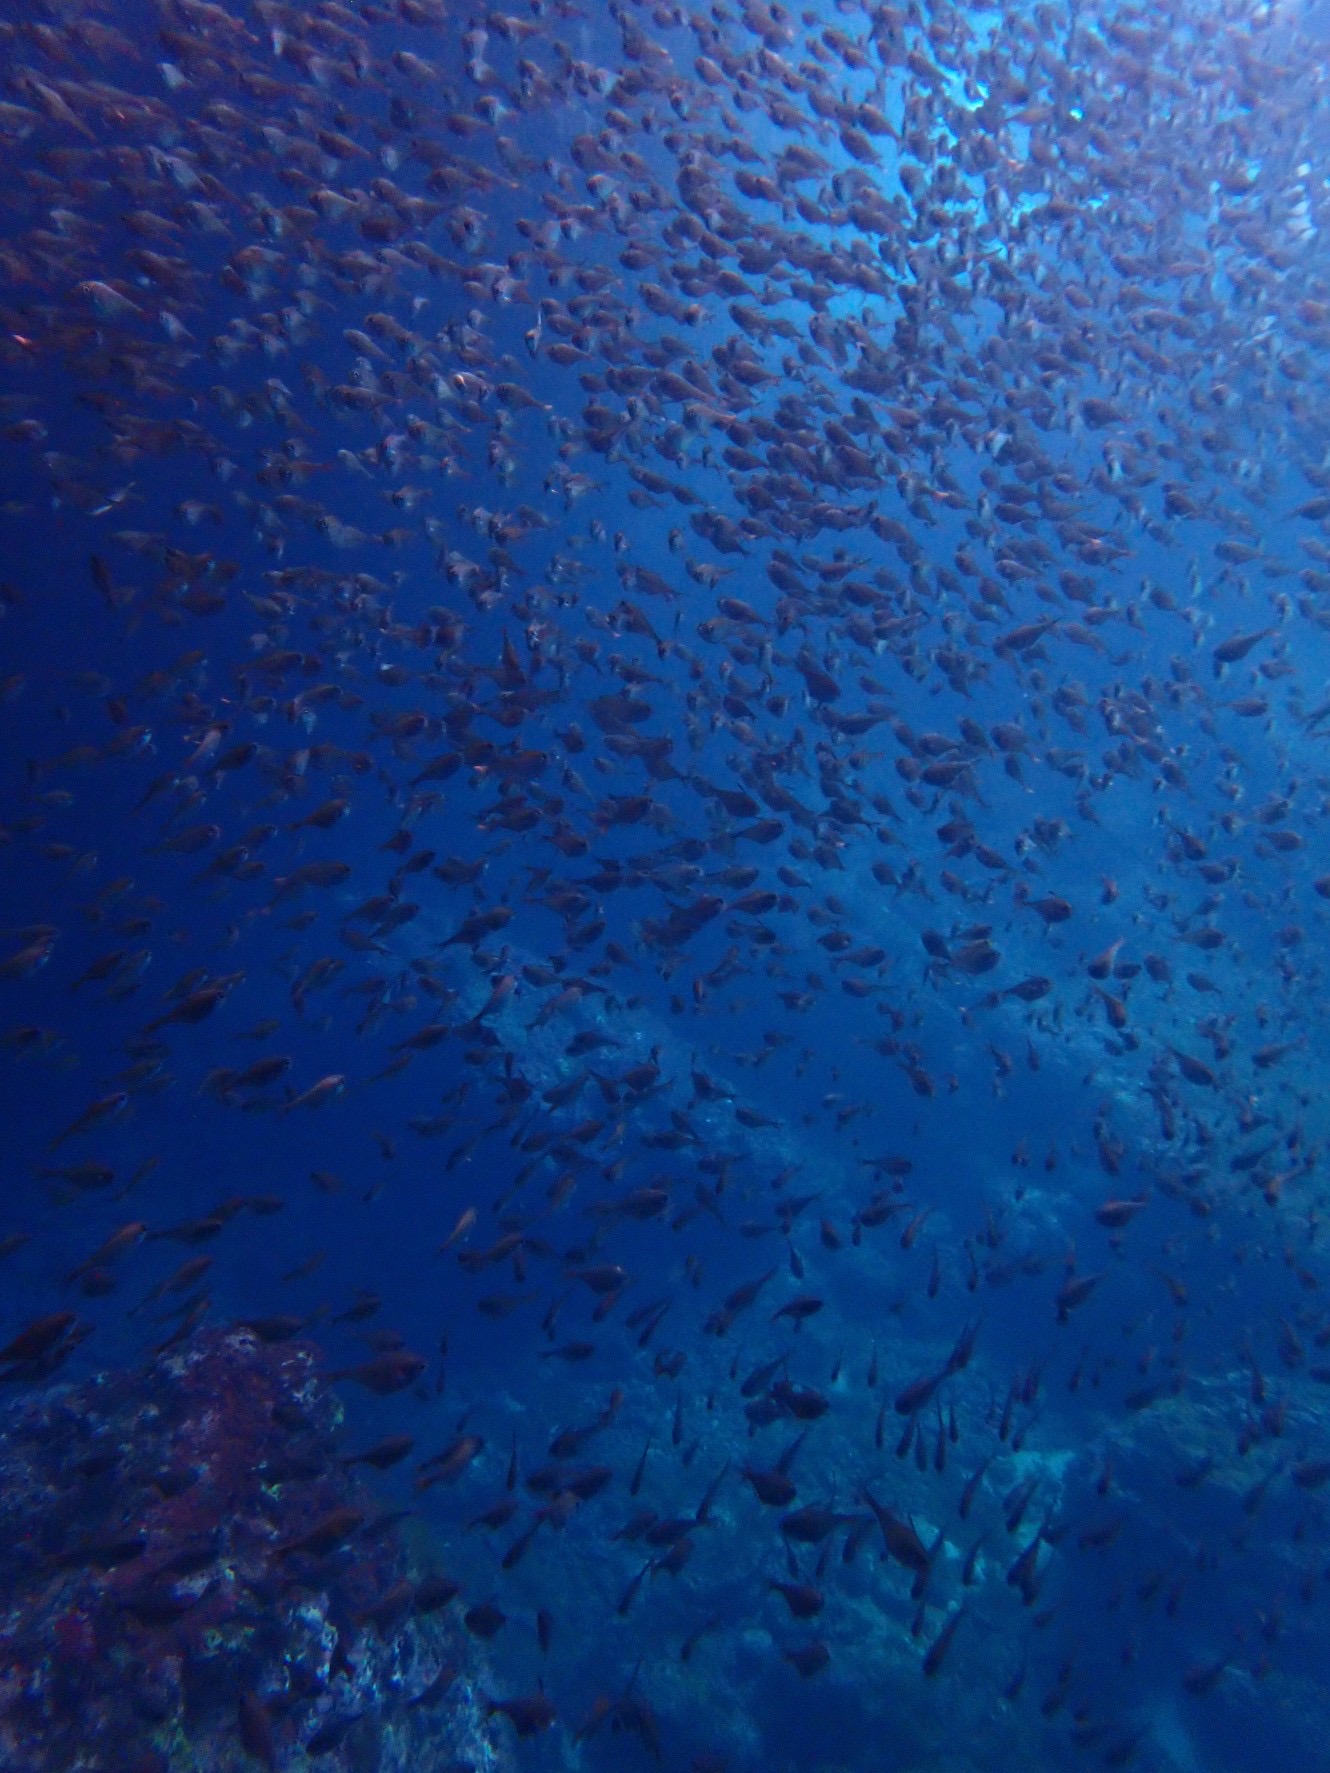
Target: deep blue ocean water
(1068,347)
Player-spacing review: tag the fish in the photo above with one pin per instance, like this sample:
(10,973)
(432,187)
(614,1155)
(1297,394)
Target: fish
(390,1451)
(385,1373)
(38,1337)
(529,1714)
(94,1115)
(449,1464)
(808,1659)
(1075,1290)
(317,1094)
(124,1238)
(937,1651)
(811,1524)
(651,575)
(899,1539)
(325,1534)
(803,1600)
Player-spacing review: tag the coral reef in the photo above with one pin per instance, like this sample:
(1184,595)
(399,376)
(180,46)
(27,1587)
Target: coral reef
(193,1580)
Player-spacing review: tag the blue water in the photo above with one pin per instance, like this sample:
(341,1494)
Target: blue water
(1079,344)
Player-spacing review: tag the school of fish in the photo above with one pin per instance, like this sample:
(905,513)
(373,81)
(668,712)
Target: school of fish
(664,789)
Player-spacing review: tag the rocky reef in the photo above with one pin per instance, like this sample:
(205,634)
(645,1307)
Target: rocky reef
(191,1578)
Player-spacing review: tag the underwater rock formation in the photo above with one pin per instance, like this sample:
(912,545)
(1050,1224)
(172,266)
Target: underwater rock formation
(194,1578)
